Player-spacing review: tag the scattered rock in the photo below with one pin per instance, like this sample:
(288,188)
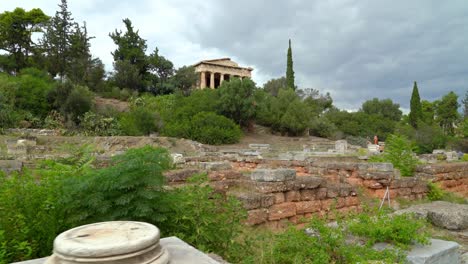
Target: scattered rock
(439,251)
(442,214)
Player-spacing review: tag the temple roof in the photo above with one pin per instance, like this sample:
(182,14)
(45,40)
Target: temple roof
(226,62)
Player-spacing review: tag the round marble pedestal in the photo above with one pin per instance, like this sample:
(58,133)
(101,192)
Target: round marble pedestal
(116,242)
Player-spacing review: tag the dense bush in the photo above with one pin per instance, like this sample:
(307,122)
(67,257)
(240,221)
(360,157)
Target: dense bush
(401,230)
(237,100)
(129,188)
(205,127)
(94,124)
(78,102)
(33,88)
(139,121)
(204,218)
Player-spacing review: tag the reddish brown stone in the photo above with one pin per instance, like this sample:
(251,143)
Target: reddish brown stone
(292,196)
(279,197)
(340,202)
(280,211)
(352,201)
(333,192)
(257,216)
(308,195)
(404,191)
(308,207)
(321,193)
(328,204)
(224,174)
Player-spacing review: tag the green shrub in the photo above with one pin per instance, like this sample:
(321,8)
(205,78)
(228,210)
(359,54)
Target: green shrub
(78,102)
(435,193)
(33,87)
(237,100)
(322,127)
(464,157)
(54,120)
(327,245)
(130,188)
(401,230)
(398,151)
(98,125)
(205,127)
(139,121)
(204,218)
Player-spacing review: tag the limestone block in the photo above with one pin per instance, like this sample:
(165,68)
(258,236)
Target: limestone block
(341,146)
(260,146)
(280,211)
(308,182)
(272,187)
(276,175)
(182,253)
(439,251)
(215,166)
(451,155)
(177,158)
(279,197)
(8,166)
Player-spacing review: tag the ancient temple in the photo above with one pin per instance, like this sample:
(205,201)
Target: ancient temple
(213,72)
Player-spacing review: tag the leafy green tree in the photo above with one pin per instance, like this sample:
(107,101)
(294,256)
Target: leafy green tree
(130,48)
(78,102)
(16,29)
(57,41)
(237,100)
(127,75)
(384,108)
(162,70)
(295,120)
(81,61)
(33,87)
(316,102)
(447,113)
(428,114)
(416,113)
(185,79)
(274,85)
(289,69)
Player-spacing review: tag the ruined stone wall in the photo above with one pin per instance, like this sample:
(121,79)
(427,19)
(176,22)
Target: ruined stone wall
(452,177)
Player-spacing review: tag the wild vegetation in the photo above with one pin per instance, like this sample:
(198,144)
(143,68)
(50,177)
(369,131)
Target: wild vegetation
(51,82)
(71,193)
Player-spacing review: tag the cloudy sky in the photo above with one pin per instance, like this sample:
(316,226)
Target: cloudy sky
(354,49)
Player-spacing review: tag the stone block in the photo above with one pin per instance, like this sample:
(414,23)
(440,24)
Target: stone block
(177,158)
(321,193)
(308,207)
(352,201)
(8,166)
(438,251)
(272,187)
(333,192)
(308,195)
(308,182)
(292,196)
(257,216)
(260,146)
(255,200)
(180,175)
(224,175)
(279,197)
(273,175)
(280,211)
(215,166)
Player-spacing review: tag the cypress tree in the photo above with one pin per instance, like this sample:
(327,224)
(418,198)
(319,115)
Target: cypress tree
(289,69)
(415,114)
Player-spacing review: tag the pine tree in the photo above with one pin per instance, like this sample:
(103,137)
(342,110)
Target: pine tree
(289,69)
(415,114)
(57,40)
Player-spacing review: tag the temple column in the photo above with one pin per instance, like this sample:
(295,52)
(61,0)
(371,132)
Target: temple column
(212,81)
(221,79)
(202,80)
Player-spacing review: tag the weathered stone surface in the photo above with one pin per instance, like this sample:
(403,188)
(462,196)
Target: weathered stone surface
(308,207)
(279,197)
(182,253)
(376,166)
(224,175)
(464,258)
(308,195)
(8,166)
(260,146)
(439,251)
(280,211)
(292,196)
(257,216)
(308,182)
(214,166)
(321,193)
(177,158)
(442,214)
(180,175)
(276,175)
(271,187)
(255,200)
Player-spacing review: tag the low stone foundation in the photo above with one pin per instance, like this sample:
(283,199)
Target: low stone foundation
(452,177)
